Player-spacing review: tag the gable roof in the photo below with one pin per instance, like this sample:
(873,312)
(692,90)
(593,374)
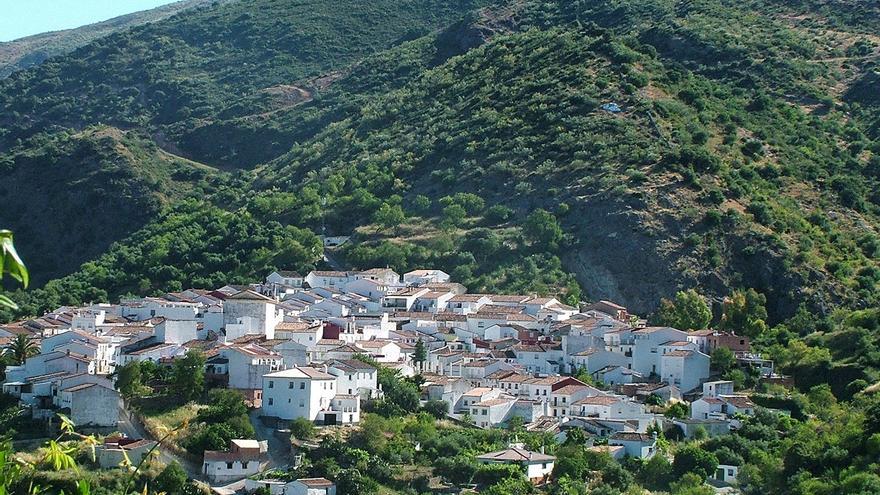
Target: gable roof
(598,400)
(315,482)
(249,295)
(650,330)
(301,372)
(571,389)
(631,436)
(297,327)
(678,353)
(350,364)
(330,273)
(495,402)
(516,454)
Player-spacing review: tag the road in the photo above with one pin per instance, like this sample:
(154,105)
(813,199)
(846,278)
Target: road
(334,264)
(279,452)
(132,427)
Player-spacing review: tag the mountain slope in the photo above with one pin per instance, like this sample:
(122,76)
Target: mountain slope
(73,196)
(739,156)
(187,67)
(33,50)
(704,173)
(177,71)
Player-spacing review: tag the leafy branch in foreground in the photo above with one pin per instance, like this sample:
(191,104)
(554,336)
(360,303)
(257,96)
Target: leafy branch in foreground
(57,456)
(10,263)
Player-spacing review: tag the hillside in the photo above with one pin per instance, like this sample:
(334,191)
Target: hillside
(704,172)
(744,153)
(33,50)
(190,66)
(180,70)
(629,150)
(77,193)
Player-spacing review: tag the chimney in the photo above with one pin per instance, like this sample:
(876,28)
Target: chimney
(542,449)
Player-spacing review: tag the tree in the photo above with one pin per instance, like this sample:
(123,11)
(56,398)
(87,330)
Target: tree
(511,486)
(188,376)
(692,459)
(497,214)
(420,355)
(21,348)
(129,379)
(690,484)
(401,395)
(223,405)
(583,375)
(723,360)
(541,229)
(678,410)
(351,482)
(567,485)
(472,203)
(688,311)
(421,204)
(436,408)
(656,473)
(453,216)
(389,216)
(745,313)
(172,479)
(302,429)
(575,437)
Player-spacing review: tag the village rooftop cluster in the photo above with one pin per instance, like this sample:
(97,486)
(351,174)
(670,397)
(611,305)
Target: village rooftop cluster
(293,345)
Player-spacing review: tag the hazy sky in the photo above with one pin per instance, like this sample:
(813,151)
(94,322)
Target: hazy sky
(20,18)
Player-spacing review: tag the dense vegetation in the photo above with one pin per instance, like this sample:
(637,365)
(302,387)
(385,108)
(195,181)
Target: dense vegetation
(190,245)
(737,159)
(180,71)
(622,149)
(34,50)
(70,197)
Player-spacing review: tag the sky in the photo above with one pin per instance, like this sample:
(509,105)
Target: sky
(20,18)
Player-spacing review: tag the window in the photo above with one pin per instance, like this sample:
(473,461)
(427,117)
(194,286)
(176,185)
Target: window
(544,466)
(271,401)
(302,385)
(244,464)
(302,403)
(228,465)
(484,411)
(289,384)
(271,384)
